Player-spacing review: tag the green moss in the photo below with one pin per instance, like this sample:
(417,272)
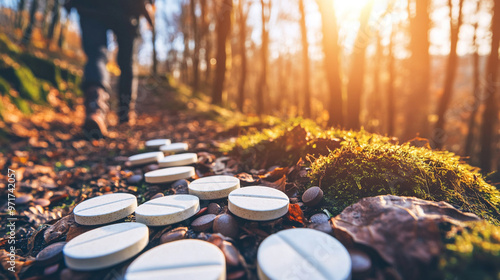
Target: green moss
(42,68)
(21,78)
(4,86)
(472,252)
(358,170)
(6,45)
(284,143)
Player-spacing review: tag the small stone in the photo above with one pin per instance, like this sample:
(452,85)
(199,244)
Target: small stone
(152,167)
(319,218)
(312,196)
(42,202)
(203,223)
(324,227)
(158,195)
(69,274)
(214,208)
(174,235)
(236,275)
(51,269)
(230,252)
(23,199)
(180,186)
(50,254)
(134,179)
(226,225)
(361,263)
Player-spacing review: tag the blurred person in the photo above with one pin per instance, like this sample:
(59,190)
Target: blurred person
(96,18)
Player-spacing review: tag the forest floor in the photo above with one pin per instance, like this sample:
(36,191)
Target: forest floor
(56,168)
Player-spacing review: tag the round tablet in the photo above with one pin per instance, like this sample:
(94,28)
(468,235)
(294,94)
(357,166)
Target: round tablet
(302,253)
(105,246)
(258,203)
(145,158)
(169,174)
(155,143)
(183,259)
(214,187)
(167,210)
(174,148)
(178,160)
(105,209)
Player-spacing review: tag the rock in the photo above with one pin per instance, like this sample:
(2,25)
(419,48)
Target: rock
(404,231)
(42,202)
(203,223)
(69,274)
(319,218)
(214,208)
(23,199)
(312,196)
(134,179)
(51,269)
(59,229)
(180,186)
(50,254)
(226,225)
(361,263)
(158,195)
(174,235)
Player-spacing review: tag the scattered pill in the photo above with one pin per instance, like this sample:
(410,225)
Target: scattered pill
(203,223)
(174,148)
(214,187)
(105,246)
(105,209)
(178,160)
(145,158)
(302,253)
(169,174)
(183,259)
(167,210)
(156,143)
(258,203)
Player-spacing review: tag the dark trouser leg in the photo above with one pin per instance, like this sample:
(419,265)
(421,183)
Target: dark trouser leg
(127,88)
(96,77)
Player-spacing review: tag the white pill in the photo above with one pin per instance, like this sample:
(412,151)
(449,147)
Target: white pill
(105,208)
(303,253)
(155,143)
(178,160)
(105,246)
(145,158)
(258,203)
(188,259)
(214,187)
(169,174)
(167,210)
(174,148)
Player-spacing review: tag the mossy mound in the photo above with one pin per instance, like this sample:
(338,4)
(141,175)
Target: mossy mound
(44,69)
(21,78)
(358,170)
(284,143)
(472,252)
(6,46)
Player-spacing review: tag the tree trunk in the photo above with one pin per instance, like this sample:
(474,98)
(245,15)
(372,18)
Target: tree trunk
(262,89)
(19,14)
(331,62)
(62,33)
(29,30)
(419,98)
(356,77)
(56,16)
(196,52)
(205,37)
(391,108)
(450,75)
(242,19)
(469,140)
(185,35)
(155,54)
(490,113)
(305,61)
(223,27)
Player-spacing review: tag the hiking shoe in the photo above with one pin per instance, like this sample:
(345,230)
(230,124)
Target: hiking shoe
(95,127)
